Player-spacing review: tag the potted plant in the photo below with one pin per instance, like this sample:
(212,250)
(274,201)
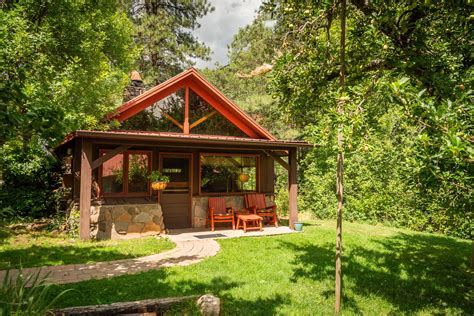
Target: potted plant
(158,181)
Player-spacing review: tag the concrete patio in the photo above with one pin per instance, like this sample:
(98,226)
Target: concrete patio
(188,234)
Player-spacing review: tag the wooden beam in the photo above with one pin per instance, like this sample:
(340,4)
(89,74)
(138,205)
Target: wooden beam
(278,159)
(292,188)
(202,119)
(110,154)
(186,111)
(145,100)
(169,117)
(85,191)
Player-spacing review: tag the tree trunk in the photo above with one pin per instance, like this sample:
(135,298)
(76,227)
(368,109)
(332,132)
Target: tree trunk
(340,160)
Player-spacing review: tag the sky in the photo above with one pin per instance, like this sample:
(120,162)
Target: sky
(219,27)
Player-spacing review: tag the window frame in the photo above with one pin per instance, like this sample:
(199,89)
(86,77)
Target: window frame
(125,192)
(257,166)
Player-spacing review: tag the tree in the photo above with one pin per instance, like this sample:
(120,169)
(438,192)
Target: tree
(340,158)
(64,65)
(163,30)
(409,89)
(407,108)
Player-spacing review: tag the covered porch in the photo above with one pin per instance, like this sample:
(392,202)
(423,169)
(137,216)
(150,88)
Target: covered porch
(182,156)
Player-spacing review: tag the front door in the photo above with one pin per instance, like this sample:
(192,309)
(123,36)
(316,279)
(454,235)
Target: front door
(176,198)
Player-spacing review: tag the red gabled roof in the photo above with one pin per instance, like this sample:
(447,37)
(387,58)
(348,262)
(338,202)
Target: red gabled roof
(206,91)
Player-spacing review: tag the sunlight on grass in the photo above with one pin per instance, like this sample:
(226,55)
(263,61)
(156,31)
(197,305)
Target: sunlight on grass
(386,271)
(50,249)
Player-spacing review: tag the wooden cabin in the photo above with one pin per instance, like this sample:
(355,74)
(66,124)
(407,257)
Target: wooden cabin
(187,129)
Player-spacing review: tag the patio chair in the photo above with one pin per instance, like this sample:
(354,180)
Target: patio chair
(255,203)
(217,212)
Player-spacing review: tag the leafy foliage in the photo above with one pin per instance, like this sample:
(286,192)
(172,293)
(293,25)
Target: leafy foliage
(156,176)
(31,180)
(63,67)
(408,108)
(27,295)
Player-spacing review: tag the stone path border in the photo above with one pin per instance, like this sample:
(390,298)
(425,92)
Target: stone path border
(186,253)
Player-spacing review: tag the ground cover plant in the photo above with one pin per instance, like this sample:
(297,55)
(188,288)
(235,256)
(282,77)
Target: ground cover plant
(386,270)
(35,249)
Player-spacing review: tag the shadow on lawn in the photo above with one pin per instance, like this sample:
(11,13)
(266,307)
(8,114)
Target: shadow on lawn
(161,283)
(35,256)
(411,272)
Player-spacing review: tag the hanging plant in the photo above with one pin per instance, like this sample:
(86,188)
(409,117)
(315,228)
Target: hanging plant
(158,180)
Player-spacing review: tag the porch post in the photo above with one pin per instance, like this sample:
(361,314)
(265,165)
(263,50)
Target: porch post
(85,190)
(292,188)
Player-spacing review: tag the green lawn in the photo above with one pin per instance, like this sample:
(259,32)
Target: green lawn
(37,249)
(386,271)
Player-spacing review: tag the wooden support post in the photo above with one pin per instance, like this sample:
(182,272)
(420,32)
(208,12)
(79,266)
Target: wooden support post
(292,188)
(186,111)
(85,190)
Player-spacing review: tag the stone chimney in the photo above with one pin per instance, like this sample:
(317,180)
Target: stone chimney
(135,88)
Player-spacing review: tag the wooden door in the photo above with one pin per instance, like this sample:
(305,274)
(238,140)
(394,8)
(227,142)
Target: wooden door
(176,198)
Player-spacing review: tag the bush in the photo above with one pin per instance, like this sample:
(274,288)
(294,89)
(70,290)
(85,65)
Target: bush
(31,178)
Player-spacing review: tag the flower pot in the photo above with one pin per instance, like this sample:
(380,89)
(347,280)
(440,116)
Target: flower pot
(159,186)
(298,227)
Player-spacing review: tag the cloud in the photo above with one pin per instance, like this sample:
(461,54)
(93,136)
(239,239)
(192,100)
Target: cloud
(219,27)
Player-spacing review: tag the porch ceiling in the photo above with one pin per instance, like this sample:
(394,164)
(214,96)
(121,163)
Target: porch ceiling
(178,139)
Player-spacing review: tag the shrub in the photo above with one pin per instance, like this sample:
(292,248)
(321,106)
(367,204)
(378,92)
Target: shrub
(31,178)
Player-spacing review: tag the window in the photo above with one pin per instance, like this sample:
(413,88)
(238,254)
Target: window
(112,175)
(166,115)
(204,119)
(228,173)
(126,174)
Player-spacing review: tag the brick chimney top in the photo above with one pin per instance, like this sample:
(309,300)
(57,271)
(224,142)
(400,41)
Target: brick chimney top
(135,76)
(135,88)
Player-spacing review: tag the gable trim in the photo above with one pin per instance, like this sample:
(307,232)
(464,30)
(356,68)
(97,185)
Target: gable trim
(192,79)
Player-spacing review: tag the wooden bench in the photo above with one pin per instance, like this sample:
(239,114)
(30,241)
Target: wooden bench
(249,222)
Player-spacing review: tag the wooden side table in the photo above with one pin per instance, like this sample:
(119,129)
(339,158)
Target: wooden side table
(249,222)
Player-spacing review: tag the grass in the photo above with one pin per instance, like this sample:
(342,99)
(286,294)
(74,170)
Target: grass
(386,271)
(35,249)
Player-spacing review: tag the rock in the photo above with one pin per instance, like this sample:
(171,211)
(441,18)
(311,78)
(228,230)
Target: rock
(157,219)
(95,218)
(107,215)
(209,305)
(117,211)
(121,227)
(95,210)
(155,211)
(102,226)
(135,228)
(150,226)
(132,211)
(125,217)
(94,230)
(142,218)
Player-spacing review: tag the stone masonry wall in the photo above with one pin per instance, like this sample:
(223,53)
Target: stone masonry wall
(199,207)
(126,221)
